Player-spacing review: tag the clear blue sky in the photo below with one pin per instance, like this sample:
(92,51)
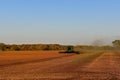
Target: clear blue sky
(59,21)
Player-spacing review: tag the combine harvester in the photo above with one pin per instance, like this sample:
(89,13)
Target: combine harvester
(70,50)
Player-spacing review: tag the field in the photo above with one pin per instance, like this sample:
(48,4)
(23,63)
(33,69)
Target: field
(50,65)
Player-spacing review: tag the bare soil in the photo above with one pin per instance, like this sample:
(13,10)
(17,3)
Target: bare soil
(50,65)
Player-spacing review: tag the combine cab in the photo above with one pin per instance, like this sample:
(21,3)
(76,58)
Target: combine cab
(69,50)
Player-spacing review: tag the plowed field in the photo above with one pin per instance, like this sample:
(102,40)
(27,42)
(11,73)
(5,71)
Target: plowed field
(50,65)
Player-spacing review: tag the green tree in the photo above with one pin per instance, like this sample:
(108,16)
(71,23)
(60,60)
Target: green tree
(15,48)
(116,43)
(2,47)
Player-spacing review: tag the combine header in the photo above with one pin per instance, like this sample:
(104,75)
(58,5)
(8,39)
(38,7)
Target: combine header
(69,50)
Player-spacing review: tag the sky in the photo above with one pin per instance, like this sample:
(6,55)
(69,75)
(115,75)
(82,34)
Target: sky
(76,22)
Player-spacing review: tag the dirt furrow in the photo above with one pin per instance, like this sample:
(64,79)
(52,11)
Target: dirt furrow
(37,67)
(103,68)
(33,61)
(77,67)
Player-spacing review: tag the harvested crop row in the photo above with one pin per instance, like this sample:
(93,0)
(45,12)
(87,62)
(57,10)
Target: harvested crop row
(21,57)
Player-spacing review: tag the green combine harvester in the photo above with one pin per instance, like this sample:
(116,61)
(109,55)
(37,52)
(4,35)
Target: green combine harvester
(69,50)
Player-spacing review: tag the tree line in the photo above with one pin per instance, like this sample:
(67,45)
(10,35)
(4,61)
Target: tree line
(28,47)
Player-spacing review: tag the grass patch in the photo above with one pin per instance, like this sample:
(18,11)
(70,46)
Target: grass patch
(87,58)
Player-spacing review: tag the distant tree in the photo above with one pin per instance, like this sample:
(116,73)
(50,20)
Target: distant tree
(46,47)
(116,43)
(2,47)
(27,47)
(15,48)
